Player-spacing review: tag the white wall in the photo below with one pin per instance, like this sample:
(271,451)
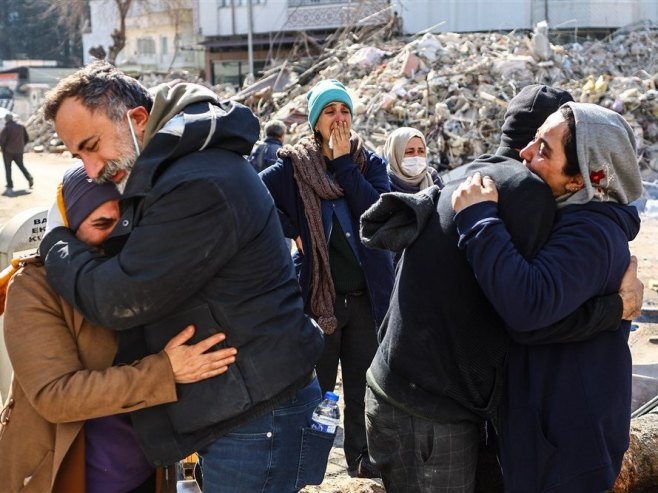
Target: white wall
(104,19)
(601,13)
(215,20)
(463,15)
(484,15)
(273,16)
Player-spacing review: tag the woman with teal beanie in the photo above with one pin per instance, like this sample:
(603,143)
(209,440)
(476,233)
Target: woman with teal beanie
(321,186)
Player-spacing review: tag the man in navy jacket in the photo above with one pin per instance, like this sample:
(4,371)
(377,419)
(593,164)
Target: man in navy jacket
(199,242)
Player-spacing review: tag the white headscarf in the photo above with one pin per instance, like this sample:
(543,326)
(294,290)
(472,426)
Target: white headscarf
(394,153)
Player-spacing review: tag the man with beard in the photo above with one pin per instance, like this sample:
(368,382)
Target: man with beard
(199,240)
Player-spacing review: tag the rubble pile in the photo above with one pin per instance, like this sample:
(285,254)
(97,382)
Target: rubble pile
(454,87)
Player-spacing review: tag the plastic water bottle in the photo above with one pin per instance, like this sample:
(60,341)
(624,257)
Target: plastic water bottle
(326,416)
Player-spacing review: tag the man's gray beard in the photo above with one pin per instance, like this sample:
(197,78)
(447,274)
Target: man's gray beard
(112,167)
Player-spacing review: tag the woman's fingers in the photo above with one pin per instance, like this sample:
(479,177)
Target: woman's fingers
(488,184)
(217,365)
(472,190)
(181,338)
(189,366)
(207,343)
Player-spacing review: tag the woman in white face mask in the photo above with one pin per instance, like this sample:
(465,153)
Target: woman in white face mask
(406,153)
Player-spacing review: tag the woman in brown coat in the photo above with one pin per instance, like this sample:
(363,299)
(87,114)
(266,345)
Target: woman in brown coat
(63,373)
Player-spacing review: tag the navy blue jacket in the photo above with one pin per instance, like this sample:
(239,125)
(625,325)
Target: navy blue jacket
(361,191)
(263,154)
(565,417)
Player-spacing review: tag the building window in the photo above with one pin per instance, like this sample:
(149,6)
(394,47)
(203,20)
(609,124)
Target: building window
(164,46)
(234,72)
(145,46)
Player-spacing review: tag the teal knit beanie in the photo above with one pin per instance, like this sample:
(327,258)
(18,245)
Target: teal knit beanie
(323,93)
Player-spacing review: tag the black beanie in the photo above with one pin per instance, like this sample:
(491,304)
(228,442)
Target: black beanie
(527,111)
(82,195)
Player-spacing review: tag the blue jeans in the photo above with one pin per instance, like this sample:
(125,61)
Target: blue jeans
(277,453)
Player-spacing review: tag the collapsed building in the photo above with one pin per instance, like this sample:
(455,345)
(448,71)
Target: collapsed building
(453,87)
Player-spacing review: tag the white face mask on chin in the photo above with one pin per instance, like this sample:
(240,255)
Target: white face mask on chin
(413,165)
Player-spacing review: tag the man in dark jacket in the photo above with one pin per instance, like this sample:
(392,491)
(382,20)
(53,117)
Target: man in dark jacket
(264,153)
(199,242)
(12,140)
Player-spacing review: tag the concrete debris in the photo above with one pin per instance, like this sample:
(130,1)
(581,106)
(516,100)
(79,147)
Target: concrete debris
(453,87)
(639,470)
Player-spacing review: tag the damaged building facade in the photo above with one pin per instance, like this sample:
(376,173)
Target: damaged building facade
(225,40)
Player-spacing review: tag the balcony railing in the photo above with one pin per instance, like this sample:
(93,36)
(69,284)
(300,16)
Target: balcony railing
(324,14)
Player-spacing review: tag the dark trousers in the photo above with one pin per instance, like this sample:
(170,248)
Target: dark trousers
(416,455)
(8,157)
(354,344)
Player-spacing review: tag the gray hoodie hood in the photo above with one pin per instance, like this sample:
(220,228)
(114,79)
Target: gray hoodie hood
(606,155)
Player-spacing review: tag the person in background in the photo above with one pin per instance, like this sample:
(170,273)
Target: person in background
(65,425)
(405,152)
(264,153)
(199,242)
(12,140)
(565,415)
(321,186)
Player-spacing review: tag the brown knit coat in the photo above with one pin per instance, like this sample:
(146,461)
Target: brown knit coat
(62,376)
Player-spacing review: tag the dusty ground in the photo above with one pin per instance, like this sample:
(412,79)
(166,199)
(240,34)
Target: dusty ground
(645,247)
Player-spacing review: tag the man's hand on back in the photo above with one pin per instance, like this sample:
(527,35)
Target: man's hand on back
(631,291)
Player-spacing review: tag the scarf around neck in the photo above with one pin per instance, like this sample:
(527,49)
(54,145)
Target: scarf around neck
(316,184)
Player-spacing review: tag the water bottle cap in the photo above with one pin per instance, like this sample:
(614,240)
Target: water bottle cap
(331,396)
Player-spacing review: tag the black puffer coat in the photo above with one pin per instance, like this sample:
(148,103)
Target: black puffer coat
(201,244)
